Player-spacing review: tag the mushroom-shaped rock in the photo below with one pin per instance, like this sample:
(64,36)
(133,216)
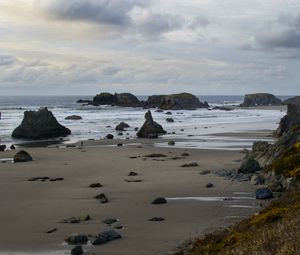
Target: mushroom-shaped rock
(150,129)
(22,156)
(40,124)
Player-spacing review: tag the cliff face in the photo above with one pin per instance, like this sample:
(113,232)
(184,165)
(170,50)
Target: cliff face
(260,99)
(293,100)
(283,156)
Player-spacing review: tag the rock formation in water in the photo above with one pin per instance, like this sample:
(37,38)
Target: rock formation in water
(182,101)
(150,129)
(40,124)
(123,99)
(260,99)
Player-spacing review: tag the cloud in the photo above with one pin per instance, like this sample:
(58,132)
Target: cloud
(6,60)
(110,12)
(120,17)
(284,33)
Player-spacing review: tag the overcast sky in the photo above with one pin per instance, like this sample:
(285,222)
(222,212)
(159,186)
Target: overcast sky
(145,47)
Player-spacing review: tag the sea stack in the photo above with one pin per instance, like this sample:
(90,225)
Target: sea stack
(150,129)
(181,101)
(260,99)
(39,124)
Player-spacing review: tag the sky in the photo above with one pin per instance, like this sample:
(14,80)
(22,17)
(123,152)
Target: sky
(205,47)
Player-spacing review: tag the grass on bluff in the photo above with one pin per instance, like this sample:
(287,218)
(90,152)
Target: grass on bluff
(274,231)
(289,163)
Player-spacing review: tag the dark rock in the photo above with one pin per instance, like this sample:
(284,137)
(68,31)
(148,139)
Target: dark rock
(204,172)
(77,239)
(110,221)
(56,179)
(40,124)
(95,185)
(77,250)
(127,180)
(33,179)
(182,101)
(150,129)
(136,129)
(2,147)
(73,117)
(168,113)
(109,137)
(157,219)
(132,174)
(260,99)
(249,165)
(159,200)
(122,126)
(104,99)
(102,198)
(106,236)
(83,101)
(171,143)
(71,220)
(209,185)
(222,108)
(193,164)
(185,154)
(120,144)
(22,156)
(170,120)
(50,230)
(263,193)
(12,147)
(155,155)
(159,110)
(292,100)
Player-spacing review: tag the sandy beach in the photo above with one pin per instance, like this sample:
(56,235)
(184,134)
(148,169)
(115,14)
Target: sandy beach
(29,208)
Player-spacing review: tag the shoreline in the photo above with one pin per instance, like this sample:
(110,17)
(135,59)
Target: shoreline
(130,202)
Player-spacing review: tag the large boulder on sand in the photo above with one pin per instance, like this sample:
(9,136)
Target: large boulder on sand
(260,99)
(182,101)
(22,156)
(150,129)
(249,165)
(40,124)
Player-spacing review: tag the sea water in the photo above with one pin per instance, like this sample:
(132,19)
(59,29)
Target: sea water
(192,129)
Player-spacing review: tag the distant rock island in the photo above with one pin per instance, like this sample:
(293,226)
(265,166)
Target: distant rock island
(260,99)
(181,101)
(40,124)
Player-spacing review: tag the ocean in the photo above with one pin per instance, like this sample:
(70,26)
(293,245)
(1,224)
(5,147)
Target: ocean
(193,129)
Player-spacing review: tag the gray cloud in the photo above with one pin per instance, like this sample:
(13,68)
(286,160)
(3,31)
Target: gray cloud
(285,33)
(289,38)
(112,12)
(7,60)
(159,23)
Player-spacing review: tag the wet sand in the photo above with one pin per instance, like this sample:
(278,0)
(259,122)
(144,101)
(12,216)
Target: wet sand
(28,209)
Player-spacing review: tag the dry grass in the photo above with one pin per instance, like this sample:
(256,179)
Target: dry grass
(274,231)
